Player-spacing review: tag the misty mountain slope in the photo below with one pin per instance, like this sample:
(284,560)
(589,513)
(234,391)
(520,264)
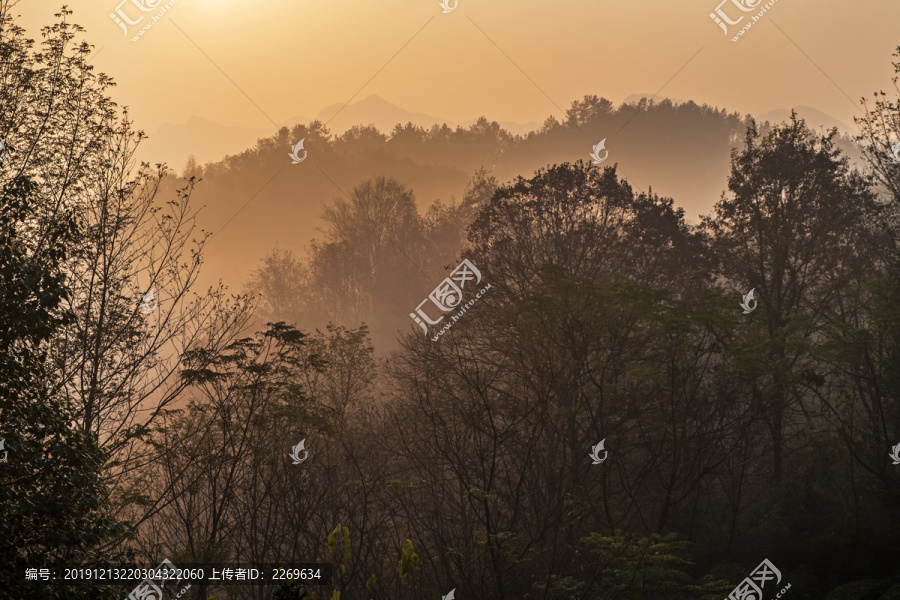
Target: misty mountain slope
(258,199)
(206,140)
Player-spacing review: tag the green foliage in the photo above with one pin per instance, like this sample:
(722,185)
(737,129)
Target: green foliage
(408,560)
(711,588)
(52,501)
(339,546)
(648,567)
(339,549)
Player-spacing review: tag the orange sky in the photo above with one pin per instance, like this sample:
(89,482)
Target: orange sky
(294,57)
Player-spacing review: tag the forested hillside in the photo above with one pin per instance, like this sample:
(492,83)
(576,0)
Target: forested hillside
(612,401)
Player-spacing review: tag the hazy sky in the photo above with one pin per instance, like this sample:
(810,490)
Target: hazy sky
(514,60)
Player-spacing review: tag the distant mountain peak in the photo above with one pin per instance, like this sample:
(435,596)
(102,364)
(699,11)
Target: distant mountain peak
(384,115)
(373,110)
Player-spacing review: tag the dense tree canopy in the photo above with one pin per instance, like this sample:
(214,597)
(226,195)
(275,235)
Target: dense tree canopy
(468,461)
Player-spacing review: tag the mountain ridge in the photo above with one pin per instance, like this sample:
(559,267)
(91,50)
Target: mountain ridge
(212,141)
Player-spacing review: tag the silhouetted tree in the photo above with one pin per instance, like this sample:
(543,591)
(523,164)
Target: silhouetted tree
(792,228)
(115,363)
(53,503)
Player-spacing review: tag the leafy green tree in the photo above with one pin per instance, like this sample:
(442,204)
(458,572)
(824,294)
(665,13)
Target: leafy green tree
(648,568)
(53,503)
